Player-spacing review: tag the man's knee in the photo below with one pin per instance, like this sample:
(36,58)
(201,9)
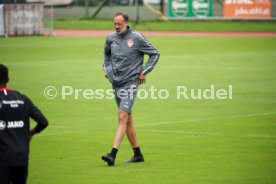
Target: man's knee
(129,119)
(123,116)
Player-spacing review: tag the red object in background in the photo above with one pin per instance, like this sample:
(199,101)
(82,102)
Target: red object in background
(247,8)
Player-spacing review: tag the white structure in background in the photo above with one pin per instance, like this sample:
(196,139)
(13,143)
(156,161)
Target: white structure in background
(1,20)
(52,2)
(22,19)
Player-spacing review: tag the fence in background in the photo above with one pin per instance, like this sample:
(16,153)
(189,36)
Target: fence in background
(21,19)
(30,18)
(148,9)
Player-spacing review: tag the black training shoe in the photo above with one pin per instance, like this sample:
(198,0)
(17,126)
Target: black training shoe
(136,158)
(109,159)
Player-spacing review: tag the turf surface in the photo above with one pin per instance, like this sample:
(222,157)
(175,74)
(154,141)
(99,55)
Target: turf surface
(183,141)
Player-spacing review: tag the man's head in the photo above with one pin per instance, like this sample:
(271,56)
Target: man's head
(120,22)
(4,75)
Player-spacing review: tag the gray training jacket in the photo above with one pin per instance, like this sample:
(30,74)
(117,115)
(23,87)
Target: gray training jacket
(124,57)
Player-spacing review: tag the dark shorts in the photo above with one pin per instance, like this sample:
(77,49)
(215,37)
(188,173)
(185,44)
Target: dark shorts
(125,96)
(13,174)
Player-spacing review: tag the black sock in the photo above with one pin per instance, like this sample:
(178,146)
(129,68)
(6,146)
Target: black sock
(113,152)
(137,151)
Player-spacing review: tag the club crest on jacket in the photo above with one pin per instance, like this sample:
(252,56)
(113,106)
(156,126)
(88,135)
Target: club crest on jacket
(130,43)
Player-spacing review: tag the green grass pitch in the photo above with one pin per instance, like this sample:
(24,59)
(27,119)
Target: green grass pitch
(183,141)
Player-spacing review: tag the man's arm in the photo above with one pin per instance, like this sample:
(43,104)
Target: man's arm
(147,48)
(38,117)
(107,53)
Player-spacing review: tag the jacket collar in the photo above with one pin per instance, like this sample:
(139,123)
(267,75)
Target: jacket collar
(3,89)
(129,30)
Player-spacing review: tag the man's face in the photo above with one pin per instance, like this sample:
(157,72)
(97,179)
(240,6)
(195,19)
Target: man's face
(120,24)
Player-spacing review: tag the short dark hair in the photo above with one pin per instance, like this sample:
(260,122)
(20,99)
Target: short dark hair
(124,15)
(4,74)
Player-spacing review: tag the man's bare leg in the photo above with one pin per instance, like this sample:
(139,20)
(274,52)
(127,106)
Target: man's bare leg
(131,133)
(120,133)
(122,127)
(125,126)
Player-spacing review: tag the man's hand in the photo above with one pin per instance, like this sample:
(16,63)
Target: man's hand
(32,132)
(142,79)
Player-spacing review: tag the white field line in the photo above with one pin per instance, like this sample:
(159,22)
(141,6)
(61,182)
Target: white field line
(75,131)
(206,119)
(208,133)
(183,132)
(175,122)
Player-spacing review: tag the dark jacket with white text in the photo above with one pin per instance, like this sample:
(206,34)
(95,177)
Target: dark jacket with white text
(15,111)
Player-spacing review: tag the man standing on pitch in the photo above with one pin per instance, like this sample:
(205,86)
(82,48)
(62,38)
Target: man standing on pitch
(15,133)
(123,65)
